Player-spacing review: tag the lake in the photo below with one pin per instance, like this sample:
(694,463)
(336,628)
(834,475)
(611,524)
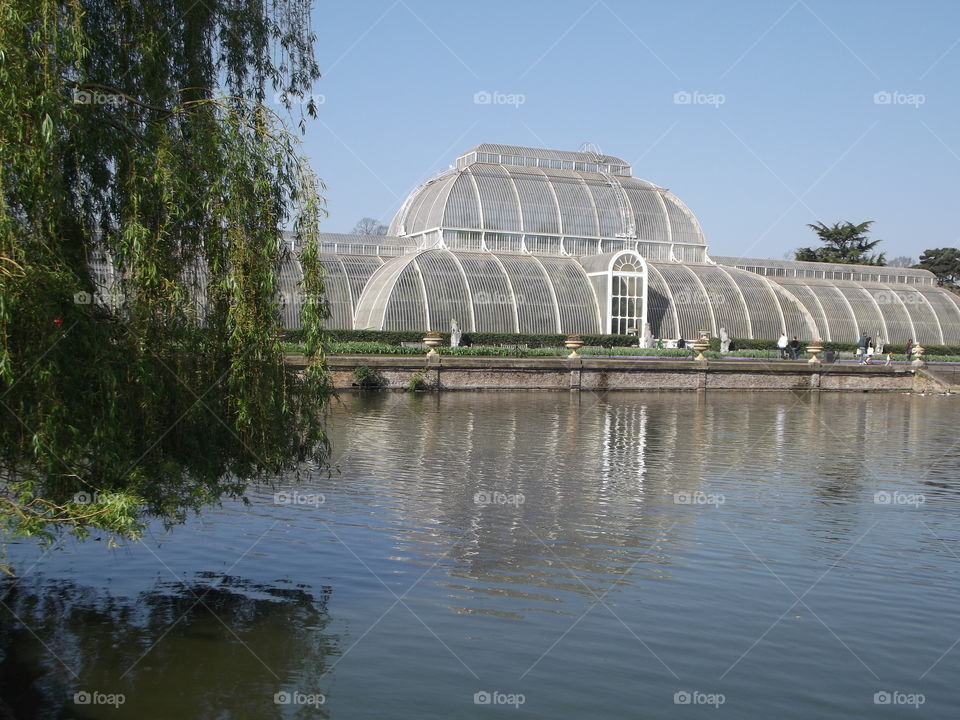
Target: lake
(532,555)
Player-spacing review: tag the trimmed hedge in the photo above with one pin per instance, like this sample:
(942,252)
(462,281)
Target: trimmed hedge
(375,348)
(386,337)
(936,349)
(396,337)
(745,344)
(551,340)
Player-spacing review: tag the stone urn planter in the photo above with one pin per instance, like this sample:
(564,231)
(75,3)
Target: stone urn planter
(918,361)
(573,343)
(431,340)
(699,345)
(814,348)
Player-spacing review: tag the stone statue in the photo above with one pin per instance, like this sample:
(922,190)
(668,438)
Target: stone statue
(455,333)
(646,339)
(724,341)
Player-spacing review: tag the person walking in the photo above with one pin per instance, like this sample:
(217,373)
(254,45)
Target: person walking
(794,348)
(782,345)
(870,351)
(862,348)
(908,350)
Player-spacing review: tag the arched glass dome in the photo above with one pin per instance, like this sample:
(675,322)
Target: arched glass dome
(515,198)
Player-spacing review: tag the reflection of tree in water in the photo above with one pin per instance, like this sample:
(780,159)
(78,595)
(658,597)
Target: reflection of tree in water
(194,649)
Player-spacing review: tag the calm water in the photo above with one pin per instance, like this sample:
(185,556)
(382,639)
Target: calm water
(572,555)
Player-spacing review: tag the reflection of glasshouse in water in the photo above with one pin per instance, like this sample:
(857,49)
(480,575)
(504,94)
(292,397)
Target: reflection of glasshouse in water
(516,239)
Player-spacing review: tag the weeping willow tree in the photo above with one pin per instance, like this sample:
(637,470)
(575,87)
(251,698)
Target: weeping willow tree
(137,137)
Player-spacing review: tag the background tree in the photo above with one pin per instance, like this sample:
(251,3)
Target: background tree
(369,226)
(944,263)
(138,132)
(901,261)
(843,243)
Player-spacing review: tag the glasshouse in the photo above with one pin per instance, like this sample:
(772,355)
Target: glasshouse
(525,240)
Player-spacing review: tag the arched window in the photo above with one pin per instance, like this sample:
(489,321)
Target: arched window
(626,263)
(627,291)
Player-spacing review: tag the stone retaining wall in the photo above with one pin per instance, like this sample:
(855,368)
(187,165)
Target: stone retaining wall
(548,373)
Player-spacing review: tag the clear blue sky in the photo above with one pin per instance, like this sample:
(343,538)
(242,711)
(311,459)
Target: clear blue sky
(799,136)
